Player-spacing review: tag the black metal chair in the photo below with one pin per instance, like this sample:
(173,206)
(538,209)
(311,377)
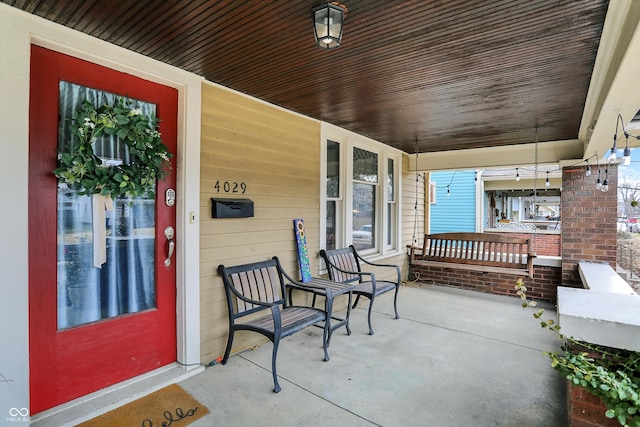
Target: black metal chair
(260,286)
(344,265)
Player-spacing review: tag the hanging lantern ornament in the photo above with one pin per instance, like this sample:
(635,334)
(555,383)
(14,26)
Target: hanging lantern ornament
(328,20)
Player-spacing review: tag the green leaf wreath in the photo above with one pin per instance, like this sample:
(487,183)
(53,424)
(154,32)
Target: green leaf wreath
(81,169)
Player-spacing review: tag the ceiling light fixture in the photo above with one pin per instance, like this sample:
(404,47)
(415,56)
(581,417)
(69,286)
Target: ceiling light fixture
(328,20)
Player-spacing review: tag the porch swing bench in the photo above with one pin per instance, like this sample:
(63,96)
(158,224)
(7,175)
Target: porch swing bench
(486,253)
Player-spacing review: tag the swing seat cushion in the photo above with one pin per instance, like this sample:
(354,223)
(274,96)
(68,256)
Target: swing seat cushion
(496,253)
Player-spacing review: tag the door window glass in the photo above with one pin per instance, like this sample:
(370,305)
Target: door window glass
(106,248)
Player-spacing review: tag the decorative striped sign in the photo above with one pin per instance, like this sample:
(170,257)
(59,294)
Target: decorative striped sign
(303,254)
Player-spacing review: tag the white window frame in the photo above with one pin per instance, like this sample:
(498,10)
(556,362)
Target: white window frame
(393,204)
(344,218)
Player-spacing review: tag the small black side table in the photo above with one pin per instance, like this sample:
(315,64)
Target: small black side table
(318,287)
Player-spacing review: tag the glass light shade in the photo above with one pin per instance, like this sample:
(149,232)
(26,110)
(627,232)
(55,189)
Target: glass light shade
(627,156)
(327,25)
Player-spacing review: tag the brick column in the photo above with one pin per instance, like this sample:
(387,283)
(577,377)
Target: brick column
(589,216)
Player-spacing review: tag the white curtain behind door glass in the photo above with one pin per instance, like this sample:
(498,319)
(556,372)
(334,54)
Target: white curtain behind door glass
(126,281)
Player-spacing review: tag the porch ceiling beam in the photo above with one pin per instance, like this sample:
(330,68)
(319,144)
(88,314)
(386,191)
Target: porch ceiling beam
(552,152)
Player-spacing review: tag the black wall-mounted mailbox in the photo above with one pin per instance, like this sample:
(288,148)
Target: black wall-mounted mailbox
(231,208)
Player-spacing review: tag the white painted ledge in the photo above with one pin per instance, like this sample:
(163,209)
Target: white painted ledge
(547,261)
(598,276)
(607,312)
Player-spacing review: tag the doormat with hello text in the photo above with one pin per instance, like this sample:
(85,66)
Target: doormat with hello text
(168,406)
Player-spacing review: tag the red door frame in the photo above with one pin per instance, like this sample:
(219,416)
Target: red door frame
(67,364)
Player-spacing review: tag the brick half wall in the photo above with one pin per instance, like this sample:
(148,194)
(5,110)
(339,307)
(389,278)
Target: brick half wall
(541,243)
(541,287)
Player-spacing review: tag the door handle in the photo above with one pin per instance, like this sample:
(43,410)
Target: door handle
(169,233)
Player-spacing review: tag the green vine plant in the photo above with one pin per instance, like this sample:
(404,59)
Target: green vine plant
(80,168)
(611,374)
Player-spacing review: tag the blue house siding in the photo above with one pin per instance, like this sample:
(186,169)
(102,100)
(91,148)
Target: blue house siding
(456,212)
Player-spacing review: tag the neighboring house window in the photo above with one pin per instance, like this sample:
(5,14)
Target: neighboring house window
(432,193)
(361,195)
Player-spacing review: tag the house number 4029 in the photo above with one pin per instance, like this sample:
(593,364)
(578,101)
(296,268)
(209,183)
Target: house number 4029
(230,187)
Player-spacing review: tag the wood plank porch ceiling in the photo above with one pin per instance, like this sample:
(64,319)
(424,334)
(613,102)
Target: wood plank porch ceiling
(417,75)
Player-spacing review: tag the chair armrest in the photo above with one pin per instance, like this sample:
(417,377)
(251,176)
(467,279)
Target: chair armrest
(371,263)
(379,265)
(291,279)
(530,258)
(358,273)
(415,250)
(296,284)
(307,287)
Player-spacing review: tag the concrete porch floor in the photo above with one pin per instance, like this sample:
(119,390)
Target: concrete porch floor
(454,358)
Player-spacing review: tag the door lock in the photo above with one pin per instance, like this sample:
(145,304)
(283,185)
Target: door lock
(170,197)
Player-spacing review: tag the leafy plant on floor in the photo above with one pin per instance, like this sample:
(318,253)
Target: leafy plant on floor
(609,373)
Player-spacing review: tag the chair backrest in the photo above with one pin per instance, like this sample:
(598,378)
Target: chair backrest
(260,281)
(344,259)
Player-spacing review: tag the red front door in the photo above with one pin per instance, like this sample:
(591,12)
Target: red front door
(126,324)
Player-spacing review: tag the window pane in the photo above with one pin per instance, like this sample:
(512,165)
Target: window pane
(365,165)
(330,238)
(390,182)
(333,169)
(363,215)
(391,224)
